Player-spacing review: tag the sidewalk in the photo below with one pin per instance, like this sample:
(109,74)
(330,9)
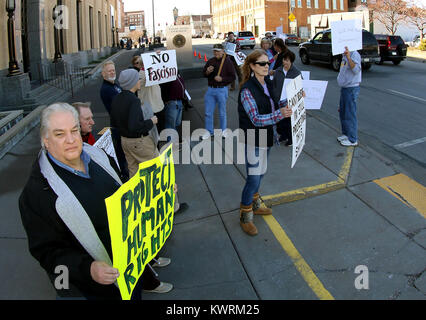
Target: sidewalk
(330,215)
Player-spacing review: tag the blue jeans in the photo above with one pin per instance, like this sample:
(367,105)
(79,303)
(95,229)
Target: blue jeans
(347,113)
(212,97)
(256,165)
(173,114)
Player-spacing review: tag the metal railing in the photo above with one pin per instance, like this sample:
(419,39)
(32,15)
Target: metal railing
(61,75)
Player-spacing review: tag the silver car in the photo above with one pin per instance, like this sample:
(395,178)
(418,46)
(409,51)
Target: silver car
(246,39)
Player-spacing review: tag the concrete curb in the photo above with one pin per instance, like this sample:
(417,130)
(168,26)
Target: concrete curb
(307,192)
(9,139)
(416,59)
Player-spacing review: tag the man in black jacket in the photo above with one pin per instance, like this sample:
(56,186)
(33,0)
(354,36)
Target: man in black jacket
(64,213)
(127,116)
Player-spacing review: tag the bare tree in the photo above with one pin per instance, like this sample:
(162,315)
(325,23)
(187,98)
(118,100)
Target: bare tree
(389,12)
(417,17)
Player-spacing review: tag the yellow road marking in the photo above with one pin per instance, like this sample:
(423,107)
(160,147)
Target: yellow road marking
(308,275)
(302,193)
(410,192)
(304,269)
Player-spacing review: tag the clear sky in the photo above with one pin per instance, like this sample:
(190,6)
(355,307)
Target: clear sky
(185,6)
(164,10)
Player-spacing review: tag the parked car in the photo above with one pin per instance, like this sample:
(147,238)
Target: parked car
(392,48)
(291,38)
(246,39)
(319,49)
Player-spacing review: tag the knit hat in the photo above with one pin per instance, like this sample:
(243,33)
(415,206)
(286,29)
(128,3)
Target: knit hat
(128,79)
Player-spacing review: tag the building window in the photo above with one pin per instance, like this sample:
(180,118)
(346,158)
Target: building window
(342,5)
(293,3)
(335,4)
(299,3)
(308,3)
(327,4)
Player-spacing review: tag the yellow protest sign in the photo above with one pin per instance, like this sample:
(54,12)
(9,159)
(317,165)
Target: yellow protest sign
(140,217)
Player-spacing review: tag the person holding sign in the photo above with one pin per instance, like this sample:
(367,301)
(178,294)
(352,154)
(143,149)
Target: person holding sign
(349,79)
(257,117)
(287,71)
(220,73)
(64,213)
(231,39)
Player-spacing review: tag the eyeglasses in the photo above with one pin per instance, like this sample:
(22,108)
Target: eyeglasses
(263,63)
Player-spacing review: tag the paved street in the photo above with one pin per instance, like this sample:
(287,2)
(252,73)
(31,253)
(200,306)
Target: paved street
(334,211)
(391,105)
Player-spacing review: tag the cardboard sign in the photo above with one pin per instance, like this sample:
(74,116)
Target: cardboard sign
(306,75)
(105,143)
(315,92)
(230,48)
(140,218)
(346,33)
(294,90)
(240,57)
(160,68)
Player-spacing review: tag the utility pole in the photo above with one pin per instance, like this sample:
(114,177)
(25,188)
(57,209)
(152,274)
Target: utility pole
(153,22)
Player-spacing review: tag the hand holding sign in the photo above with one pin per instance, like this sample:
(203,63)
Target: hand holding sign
(102,273)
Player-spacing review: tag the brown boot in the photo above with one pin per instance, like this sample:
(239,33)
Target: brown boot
(257,207)
(246,220)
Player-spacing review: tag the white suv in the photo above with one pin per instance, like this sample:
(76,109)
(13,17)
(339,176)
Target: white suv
(246,39)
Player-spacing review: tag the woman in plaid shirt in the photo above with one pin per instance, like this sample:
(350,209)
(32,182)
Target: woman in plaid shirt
(258,115)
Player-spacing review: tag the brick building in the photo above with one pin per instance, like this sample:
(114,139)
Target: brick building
(259,16)
(134,19)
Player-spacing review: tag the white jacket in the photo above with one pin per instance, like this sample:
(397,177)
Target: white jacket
(151,94)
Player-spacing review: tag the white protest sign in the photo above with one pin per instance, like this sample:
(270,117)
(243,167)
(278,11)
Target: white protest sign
(283,91)
(230,48)
(105,143)
(296,102)
(160,68)
(346,33)
(305,75)
(239,58)
(315,92)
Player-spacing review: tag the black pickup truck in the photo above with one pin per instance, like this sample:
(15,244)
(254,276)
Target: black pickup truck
(319,49)
(392,48)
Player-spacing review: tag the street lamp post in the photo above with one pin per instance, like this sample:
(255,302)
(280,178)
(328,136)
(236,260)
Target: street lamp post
(13,64)
(153,22)
(116,34)
(57,57)
(113,37)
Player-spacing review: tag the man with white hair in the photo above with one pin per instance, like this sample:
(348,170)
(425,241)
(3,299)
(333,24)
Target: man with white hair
(63,209)
(110,88)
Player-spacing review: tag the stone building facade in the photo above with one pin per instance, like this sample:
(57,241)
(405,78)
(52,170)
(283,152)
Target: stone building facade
(84,33)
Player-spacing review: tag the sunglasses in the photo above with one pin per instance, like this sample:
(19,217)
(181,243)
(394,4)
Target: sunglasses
(263,63)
